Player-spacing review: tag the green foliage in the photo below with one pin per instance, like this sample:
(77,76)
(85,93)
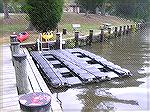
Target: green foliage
(133,9)
(44,14)
(1,6)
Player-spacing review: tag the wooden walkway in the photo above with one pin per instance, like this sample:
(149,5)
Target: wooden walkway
(8,89)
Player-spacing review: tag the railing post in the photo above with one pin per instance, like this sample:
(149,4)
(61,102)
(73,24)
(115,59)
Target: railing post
(21,73)
(76,39)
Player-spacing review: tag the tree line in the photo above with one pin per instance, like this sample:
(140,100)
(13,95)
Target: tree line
(45,14)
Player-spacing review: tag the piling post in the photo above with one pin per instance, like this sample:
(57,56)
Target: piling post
(128,29)
(58,40)
(102,35)
(116,32)
(21,73)
(13,38)
(131,28)
(120,31)
(90,38)
(15,48)
(109,32)
(64,31)
(76,39)
(124,30)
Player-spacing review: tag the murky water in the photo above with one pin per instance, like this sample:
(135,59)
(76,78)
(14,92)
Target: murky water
(131,94)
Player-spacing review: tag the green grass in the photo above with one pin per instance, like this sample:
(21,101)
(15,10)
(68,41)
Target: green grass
(19,23)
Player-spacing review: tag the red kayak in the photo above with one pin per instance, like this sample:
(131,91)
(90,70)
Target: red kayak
(22,36)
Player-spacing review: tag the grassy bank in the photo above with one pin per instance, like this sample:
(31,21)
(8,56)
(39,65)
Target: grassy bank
(19,23)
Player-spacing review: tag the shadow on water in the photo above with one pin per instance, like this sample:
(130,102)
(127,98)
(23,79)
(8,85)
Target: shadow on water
(131,52)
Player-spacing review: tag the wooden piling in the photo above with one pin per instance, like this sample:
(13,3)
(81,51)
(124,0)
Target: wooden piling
(128,29)
(58,41)
(109,32)
(124,30)
(116,32)
(102,35)
(64,31)
(13,38)
(76,39)
(21,73)
(90,38)
(15,47)
(120,31)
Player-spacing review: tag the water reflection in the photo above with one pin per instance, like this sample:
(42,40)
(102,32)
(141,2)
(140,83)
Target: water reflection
(131,52)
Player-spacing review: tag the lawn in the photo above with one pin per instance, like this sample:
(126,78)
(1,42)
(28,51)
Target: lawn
(19,23)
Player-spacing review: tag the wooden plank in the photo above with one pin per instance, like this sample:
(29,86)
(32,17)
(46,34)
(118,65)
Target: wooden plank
(54,103)
(8,89)
(32,79)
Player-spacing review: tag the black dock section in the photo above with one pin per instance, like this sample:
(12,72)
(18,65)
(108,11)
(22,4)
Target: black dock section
(69,67)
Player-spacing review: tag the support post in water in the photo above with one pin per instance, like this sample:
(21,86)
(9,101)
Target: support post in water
(116,32)
(21,73)
(120,31)
(109,32)
(128,29)
(124,30)
(102,35)
(58,40)
(90,38)
(76,39)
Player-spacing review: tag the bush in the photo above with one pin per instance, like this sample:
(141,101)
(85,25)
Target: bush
(44,14)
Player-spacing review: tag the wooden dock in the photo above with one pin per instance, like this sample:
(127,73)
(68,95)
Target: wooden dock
(70,67)
(8,89)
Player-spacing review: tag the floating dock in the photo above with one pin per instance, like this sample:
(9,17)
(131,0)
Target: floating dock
(70,67)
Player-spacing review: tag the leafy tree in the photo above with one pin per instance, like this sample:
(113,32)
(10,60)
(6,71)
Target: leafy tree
(1,6)
(90,5)
(134,9)
(44,14)
(5,9)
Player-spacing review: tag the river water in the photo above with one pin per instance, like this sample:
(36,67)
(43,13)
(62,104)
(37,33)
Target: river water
(129,94)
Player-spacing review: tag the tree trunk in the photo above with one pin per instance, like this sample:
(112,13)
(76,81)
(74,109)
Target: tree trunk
(86,13)
(103,9)
(5,9)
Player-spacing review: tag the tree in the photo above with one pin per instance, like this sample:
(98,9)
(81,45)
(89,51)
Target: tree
(1,6)
(44,14)
(5,9)
(90,5)
(133,9)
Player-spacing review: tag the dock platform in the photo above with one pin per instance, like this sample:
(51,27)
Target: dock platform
(8,91)
(71,67)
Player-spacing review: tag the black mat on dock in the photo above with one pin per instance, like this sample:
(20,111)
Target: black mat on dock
(71,67)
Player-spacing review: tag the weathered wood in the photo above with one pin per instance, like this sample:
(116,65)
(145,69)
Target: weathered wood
(8,90)
(21,73)
(15,47)
(54,103)
(13,38)
(76,39)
